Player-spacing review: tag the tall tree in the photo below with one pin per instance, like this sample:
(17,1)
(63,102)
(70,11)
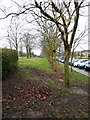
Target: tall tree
(49,42)
(29,43)
(78,41)
(14,33)
(64,19)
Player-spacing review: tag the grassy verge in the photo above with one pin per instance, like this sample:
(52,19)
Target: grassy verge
(38,63)
(42,64)
(76,78)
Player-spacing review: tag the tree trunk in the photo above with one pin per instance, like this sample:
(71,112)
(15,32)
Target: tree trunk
(51,59)
(71,60)
(10,45)
(54,61)
(66,68)
(30,52)
(27,52)
(16,47)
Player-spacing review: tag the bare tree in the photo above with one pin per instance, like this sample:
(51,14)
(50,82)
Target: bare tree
(77,41)
(9,40)
(29,43)
(13,33)
(66,16)
(21,46)
(49,43)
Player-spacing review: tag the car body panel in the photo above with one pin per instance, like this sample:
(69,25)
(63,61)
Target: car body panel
(87,66)
(82,64)
(76,63)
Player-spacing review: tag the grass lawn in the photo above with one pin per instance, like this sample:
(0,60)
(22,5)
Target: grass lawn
(38,63)
(77,78)
(35,91)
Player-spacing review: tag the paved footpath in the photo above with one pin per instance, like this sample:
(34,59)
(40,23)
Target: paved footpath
(82,71)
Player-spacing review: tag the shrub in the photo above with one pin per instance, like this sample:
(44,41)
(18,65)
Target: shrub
(9,61)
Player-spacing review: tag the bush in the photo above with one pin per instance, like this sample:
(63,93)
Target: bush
(9,61)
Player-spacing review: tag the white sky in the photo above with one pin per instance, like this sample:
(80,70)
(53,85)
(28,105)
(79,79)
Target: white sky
(4,23)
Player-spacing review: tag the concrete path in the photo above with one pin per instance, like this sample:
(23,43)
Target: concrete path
(82,71)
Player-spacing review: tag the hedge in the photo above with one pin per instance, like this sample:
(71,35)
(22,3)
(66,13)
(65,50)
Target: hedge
(9,61)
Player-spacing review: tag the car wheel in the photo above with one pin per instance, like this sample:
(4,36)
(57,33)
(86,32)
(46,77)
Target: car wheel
(79,67)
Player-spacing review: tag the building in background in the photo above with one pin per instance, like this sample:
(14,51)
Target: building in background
(84,53)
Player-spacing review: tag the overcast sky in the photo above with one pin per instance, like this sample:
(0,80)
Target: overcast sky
(5,22)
